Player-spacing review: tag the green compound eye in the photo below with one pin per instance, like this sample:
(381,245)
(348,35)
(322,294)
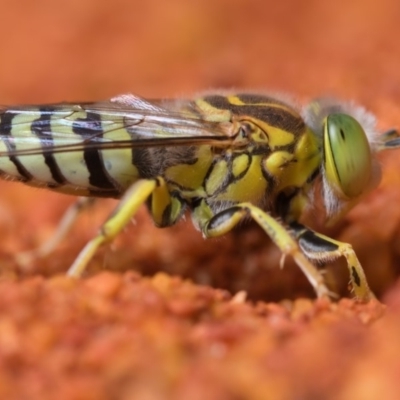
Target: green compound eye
(347,155)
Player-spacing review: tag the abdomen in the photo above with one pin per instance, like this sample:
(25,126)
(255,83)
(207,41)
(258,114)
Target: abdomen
(30,135)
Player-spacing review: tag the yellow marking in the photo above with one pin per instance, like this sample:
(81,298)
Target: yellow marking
(260,137)
(164,209)
(21,130)
(275,163)
(276,137)
(234,100)
(118,162)
(217,177)
(306,158)
(71,164)
(297,206)
(191,176)
(211,113)
(251,187)
(5,164)
(176,208)
(160,200)
(240,164)
(201,215)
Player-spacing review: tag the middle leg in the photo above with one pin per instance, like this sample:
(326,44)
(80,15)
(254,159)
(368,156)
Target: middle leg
(222,222)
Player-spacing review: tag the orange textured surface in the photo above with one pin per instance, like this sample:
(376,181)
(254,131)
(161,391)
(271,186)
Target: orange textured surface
(126,337)
(122,336)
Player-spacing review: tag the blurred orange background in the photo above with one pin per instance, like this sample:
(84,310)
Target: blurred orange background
(81,50)
(91,49)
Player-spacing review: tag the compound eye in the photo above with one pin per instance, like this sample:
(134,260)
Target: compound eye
(347,156)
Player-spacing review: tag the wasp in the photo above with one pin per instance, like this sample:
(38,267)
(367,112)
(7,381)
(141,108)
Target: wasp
(220,156)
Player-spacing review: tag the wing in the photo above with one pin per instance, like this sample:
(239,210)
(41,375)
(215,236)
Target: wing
(123,122)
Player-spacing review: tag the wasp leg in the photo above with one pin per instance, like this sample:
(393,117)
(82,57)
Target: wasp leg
(64,227)
(133,198)
(322,248)
(165,210)
(224,221)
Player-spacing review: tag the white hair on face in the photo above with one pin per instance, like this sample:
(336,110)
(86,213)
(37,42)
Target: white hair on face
(314,114)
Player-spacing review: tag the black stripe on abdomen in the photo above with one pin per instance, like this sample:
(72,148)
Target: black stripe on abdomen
(90,129)
(6,135)
(41,127)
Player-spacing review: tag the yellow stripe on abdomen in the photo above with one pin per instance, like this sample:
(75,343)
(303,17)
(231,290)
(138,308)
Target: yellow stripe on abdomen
(118,162)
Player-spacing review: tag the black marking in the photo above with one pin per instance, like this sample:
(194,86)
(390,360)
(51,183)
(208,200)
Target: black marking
(223,216)
(249,98)
(196,202)
(312,243)
(342,134)
(6,135)
(166,216)
(274,116)
(228,179)
(297,228)
(41,127)
(314,175)
(263,150)
(356,277)
(91,130)
(283,201)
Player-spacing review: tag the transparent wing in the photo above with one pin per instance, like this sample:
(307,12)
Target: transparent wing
(123,122)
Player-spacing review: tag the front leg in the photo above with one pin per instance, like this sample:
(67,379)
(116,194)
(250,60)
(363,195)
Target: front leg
(222,222)
(322,248)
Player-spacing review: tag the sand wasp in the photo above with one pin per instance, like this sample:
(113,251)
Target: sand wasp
(221,156)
